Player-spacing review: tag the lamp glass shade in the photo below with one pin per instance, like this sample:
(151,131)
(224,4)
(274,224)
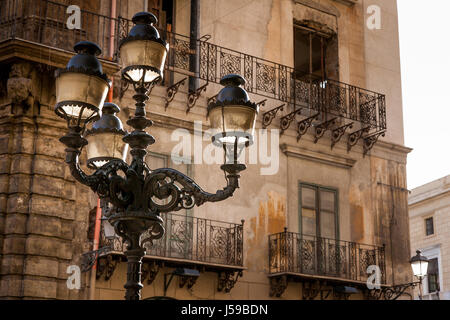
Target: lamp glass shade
(79,95)
(103,147)
(420,268)
(143,55)
(231,120)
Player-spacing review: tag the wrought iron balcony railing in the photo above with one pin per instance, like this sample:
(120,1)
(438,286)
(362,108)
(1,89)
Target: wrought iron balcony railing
(309,255)
(327,104)
(45,22)
(190,238)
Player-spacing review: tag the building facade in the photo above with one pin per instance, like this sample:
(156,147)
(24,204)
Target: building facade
(322,199)
(429,218)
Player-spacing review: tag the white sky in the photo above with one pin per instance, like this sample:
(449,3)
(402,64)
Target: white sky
(425,60)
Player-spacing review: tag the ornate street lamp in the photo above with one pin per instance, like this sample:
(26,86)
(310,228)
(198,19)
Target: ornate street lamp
(419,264)
(136,194)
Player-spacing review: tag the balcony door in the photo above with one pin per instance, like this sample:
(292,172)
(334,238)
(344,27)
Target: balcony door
(319,248)
(178,239)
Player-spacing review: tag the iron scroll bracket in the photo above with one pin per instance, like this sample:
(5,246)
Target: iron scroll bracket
(172,91)
(354,137)
(303,125)
(193,97)
(337,133)
(270,115)
(320,129)
(370,140)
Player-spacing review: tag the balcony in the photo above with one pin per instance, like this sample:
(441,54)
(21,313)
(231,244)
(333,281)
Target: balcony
(320,261)
(189,242)
(38,31)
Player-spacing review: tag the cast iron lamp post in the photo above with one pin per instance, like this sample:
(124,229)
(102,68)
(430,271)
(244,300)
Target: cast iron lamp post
(419,264)
(136,193)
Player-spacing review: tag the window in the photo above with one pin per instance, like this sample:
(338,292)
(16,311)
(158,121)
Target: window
(318,211)
(433,275)
(163,10)
(429,226)
(315,54)
(178,239)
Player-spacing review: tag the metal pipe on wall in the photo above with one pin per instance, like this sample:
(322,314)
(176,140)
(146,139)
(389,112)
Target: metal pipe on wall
(194,35)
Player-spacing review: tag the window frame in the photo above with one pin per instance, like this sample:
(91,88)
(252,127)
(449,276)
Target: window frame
(317,208)
(433,226)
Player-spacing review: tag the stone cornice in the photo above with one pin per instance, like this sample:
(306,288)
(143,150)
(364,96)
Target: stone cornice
(317,156)
(39,53)
(320,7)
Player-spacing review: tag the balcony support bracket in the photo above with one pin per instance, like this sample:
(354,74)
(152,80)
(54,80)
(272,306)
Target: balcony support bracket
(369,141)
(270,115)
(337,133)
(354,137)
(227,280)
(303,126)
(213,99)
(278,285)
(285,122)
(150,270)
(172,91)
(320,129)
(193,97)
(106,266)
(88,259)
(262,103)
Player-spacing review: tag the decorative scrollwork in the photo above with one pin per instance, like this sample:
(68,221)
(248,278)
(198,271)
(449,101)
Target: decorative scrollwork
(337,133)
(354,137)
(278,285)
(193,97)
(262,103)
(211,100)
(229,64)
(227,280)
(270,115)
(320,129)
(172,91)
(303,126)
(265,77)
(285,122)
(369,141)
(106,266)
(150,270)
(88,259)
(391,292)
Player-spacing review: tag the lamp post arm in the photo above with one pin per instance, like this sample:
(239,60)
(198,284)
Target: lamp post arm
(72,159)
(98,181)
(181,191)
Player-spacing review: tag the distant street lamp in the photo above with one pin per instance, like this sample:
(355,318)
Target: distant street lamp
(419,264)
(137,193)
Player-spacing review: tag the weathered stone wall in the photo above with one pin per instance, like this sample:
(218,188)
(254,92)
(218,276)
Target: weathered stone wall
(43,212)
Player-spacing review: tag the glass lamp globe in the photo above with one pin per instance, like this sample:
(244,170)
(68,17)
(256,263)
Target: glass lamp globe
(233,115)
(81,87)
(143,53)
(419,264)
(105,139)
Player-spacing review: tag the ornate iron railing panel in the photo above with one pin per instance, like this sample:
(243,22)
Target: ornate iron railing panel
(192,238)
(298,253)
(44,22)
